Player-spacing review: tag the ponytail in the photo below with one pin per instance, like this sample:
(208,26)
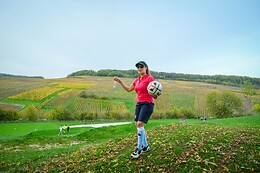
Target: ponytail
(148,71)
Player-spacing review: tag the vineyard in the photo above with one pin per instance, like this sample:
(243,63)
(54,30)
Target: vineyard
(92,97)
(36,94)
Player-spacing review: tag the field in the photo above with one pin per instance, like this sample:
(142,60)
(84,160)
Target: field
(216,145)
(100,97)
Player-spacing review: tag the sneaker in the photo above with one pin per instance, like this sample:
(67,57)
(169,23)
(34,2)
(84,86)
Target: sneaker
(136,153)
(146,149)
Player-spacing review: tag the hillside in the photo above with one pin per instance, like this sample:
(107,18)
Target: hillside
(95,97)
(226,145)
(214,79)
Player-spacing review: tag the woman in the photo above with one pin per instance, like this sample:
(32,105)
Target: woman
(144,106)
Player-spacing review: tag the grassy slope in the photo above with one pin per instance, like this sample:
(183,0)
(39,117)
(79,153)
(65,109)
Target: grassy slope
(226,145)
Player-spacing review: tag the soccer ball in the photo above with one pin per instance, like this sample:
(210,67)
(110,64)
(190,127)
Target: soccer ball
(154,88)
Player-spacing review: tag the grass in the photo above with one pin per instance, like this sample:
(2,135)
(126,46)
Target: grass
(217,145)
(22,102)
(185,101)
(253,121)
(16,130)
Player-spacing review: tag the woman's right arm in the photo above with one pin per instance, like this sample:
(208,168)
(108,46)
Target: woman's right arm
(127,88)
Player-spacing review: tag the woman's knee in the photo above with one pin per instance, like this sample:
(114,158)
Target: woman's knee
(139,124)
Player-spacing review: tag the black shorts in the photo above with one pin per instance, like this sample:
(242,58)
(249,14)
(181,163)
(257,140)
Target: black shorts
(143,111)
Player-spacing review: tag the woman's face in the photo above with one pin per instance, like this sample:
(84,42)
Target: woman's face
(141,69)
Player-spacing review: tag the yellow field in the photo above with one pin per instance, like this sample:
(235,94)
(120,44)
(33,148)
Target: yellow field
(36,94)
(13,86)
(75,85)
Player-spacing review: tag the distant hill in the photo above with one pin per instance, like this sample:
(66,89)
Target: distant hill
(214,79)
(4,75)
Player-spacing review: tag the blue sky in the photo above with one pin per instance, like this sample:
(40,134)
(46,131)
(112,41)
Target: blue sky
(53,38)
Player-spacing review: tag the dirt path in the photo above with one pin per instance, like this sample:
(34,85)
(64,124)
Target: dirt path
(99,125)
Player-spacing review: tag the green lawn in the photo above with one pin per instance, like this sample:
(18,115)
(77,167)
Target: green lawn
(217,145)
(16,130)
(253,121)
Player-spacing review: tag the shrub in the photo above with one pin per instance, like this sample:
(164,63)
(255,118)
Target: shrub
(84,94)
(103,98)
(169,115)
(61,114)
(30,113)
(223,104)
(87,116)
(157,114)
(173,114)
(8,115)
(187,113)
(122,115)
(256,107)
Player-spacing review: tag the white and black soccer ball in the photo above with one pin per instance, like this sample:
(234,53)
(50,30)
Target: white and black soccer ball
(154,88)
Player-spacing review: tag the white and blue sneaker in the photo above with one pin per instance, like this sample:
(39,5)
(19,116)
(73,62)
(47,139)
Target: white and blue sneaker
(146,149)
(136,153)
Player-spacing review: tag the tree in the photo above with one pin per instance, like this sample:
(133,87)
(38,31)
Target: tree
(61,114)
(248,90)
(256,107)
(223,104)
(215,79)
(30,113)
(8,115)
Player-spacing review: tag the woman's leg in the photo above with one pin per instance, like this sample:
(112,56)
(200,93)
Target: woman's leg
(145,143)
(141,131)
(141,134)
(143,112)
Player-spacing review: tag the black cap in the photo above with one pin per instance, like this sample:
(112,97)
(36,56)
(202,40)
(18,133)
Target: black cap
(141,63)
